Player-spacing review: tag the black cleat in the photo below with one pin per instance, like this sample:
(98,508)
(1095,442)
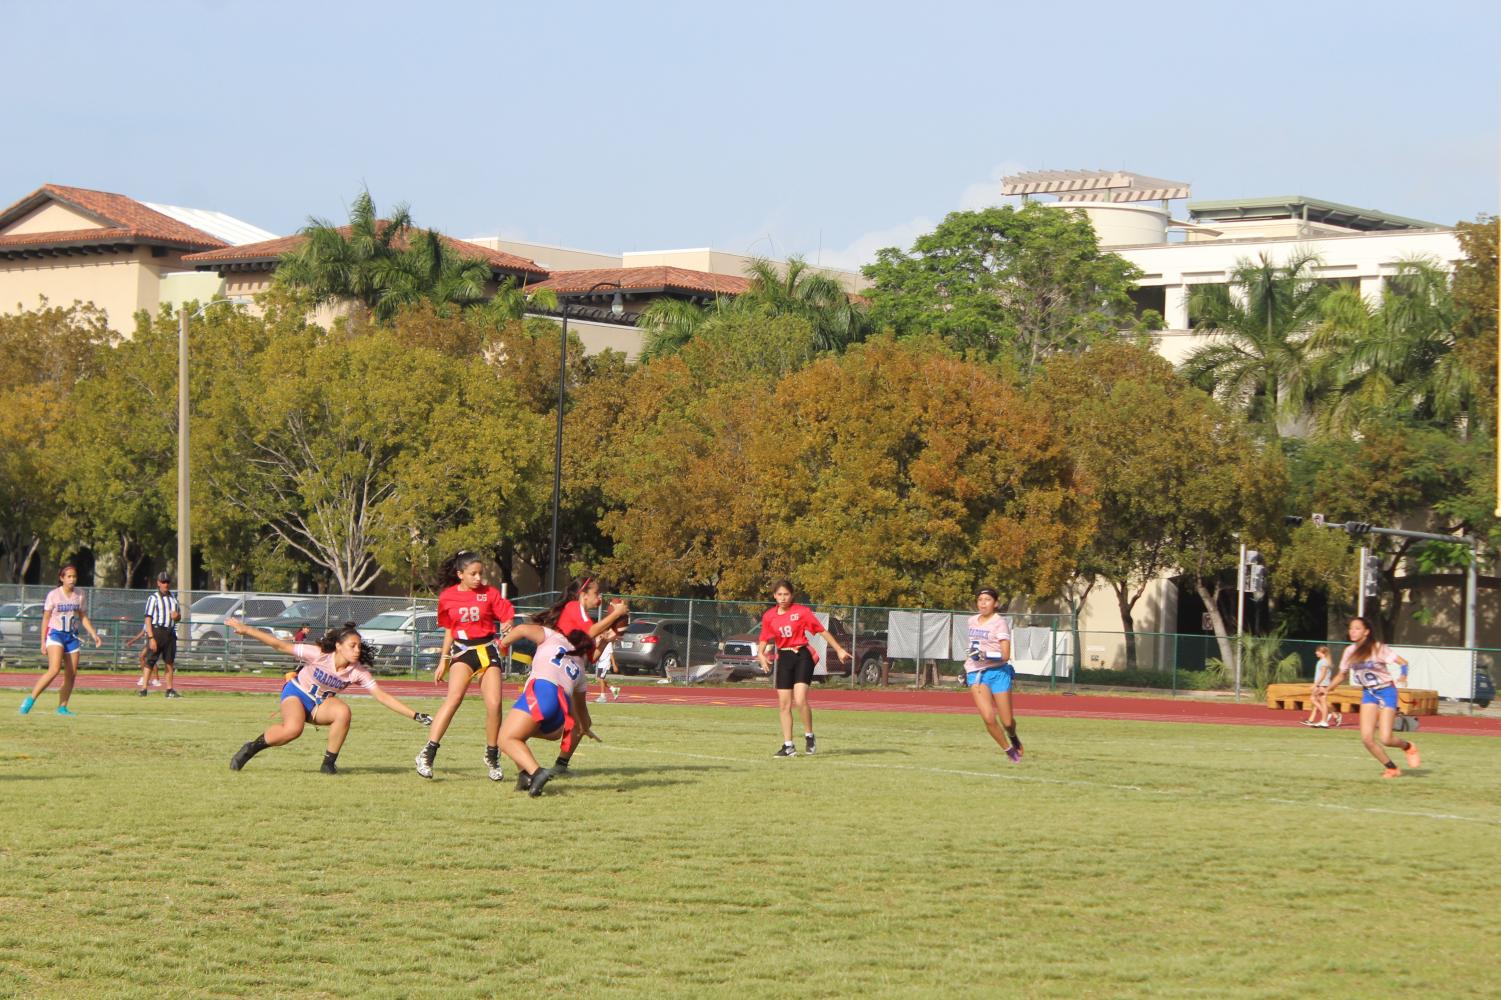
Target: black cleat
(785,750)
(143,692)
(242,756)
(811,743)
(538,782)
(172,693)
(523,781)
(560,767)
(329,767)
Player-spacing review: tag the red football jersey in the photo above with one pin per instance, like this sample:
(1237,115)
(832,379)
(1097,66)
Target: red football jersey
(789,630)
(473,614)
(574,617)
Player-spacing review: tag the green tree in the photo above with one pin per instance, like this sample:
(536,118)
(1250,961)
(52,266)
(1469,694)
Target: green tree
(384,265)
(796,289)
(1474,292)
(1396,357)
(1171,499)
(1258,358)
(45,353)
(1016,283)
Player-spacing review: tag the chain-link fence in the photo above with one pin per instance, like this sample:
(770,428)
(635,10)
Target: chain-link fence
(688,640)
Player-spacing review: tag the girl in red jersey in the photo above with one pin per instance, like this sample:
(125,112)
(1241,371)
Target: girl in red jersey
(471,614)
(573,614)
(787,628)
(554,704)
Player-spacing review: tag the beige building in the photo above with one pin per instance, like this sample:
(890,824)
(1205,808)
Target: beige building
(67,244)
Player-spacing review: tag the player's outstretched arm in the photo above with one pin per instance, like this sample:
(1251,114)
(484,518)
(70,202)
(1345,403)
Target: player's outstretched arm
(396,705)
(264,638)
(526,630)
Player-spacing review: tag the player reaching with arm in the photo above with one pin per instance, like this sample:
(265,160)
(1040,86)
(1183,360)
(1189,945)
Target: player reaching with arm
(1370,663)
(554,705)
(471,613)
(989,675)
(574,613)
(339,660)
(786,627)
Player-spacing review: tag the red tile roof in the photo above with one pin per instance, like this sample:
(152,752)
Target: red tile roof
(646,279)
(270,251)
(124,220)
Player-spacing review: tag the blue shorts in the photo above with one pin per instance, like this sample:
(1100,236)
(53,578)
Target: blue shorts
(998,679)
(67,640)
(1386,697)
(309,703)
(544,702)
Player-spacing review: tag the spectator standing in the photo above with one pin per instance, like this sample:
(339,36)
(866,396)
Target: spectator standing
(1323,673)
(162,615)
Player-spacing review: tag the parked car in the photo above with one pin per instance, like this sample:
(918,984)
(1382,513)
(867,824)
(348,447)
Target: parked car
(394,633)
(660,645)
(317,614)
(19,620)
(207,614)
(737,655)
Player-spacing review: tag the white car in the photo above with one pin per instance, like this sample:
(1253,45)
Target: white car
(18,618)
(206,617)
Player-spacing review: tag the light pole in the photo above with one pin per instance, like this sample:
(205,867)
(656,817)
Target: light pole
(184,511)
(617,307)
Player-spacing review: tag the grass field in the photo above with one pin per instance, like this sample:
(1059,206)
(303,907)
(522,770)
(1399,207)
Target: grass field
(907,859)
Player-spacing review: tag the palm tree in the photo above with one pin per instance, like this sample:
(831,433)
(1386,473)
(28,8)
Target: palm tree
(1396,356)
(796,289)
(1258,357)
(357,262)
(668,324)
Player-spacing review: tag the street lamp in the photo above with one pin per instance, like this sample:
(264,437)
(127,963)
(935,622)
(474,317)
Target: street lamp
(184,515)
(617,307)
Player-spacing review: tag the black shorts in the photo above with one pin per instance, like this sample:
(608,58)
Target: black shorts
(166,646)
(794,666)
(479,655)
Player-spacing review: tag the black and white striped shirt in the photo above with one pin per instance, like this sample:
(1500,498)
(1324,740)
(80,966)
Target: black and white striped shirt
(160,608)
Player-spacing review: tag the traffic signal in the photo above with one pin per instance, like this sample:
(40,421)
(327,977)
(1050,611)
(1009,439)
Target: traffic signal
(1256,581)
(1292,520)
(1372,577)
(1357,528)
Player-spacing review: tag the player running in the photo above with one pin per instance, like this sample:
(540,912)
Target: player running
(555,702)
(62,612)
(471,613)
(787,628)
(1370,663)
(339,660)
(988,672)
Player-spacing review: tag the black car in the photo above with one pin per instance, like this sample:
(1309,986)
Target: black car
(662,646)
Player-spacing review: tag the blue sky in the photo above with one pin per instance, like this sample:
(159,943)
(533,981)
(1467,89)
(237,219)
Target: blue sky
(828,129)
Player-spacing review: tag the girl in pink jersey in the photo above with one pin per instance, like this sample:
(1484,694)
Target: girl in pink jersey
(1370,664)
(62,613)
(989,675)
(339,660)
(554,704)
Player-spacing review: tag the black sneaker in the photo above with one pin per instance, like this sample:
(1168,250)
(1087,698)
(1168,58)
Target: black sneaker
(242,756)
(329,767)
(171,693)
(811,745)
(538,782)
(523,781)
(785,750)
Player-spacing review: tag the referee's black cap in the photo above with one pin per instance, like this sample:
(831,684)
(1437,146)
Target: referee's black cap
(164,577)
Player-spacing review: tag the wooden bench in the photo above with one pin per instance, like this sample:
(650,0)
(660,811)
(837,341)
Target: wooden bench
(1346,699)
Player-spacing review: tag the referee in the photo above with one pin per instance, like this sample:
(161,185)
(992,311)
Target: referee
(162,615)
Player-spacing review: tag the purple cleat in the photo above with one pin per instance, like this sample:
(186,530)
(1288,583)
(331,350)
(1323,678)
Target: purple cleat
(1014,755)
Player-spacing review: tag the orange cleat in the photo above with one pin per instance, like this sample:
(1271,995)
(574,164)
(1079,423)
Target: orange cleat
(1391,772)
(1413,759)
